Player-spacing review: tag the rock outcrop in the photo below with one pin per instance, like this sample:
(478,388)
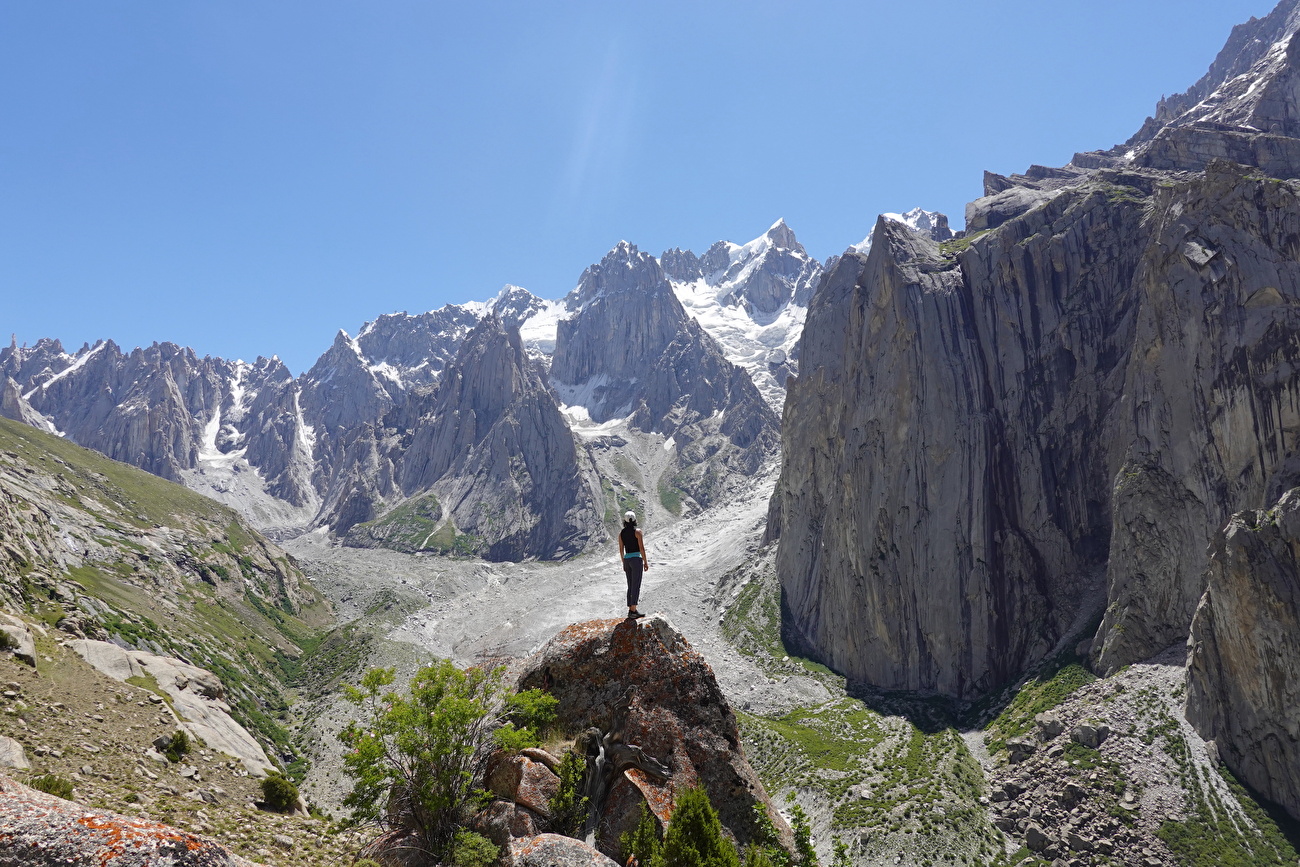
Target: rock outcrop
(197,698)
(1091,384)
(493,460)
(40,829)
(644,680)
(1243,687)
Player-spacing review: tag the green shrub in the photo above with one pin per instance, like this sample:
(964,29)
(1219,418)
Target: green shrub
(52,784)
(472,850)
(279,793)
(643,840)
(178,747)
(569,806)
(694,835)
(804,853)
(433,744)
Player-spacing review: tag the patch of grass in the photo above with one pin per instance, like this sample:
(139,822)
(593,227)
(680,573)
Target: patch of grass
(955,246)
(671,499)
(1059,680)
(52,784)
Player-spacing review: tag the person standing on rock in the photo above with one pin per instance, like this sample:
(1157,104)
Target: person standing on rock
(631,547)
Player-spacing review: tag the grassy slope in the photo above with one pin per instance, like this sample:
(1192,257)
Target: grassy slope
(219,596)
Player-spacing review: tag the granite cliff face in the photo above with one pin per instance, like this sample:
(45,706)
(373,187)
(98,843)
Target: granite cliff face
(1090,382)
(1243,686)
(497,451)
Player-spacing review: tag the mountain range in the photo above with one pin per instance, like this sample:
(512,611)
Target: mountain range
(1038,478)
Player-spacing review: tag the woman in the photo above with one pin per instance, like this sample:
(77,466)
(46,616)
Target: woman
(631,547)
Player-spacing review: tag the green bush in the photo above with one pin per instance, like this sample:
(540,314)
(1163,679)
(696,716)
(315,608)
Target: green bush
(279,793)
(433,743)
(178,747)
(694,835)
(804,853)
(643,840)
(569,806)
(52,784)
(472,850)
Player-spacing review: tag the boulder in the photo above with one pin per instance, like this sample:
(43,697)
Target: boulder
(1049,725)
(1019,749)
(12,754)
(1089,734)
(644,680)
(19,639)
(502,822)
(44,831)
(519,779)
(552,850)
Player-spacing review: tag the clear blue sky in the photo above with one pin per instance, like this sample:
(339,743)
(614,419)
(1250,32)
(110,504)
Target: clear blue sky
(247,177)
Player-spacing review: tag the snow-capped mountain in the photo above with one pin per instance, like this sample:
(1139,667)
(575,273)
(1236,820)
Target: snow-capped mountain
(930,224)
(704,346)
(752,298)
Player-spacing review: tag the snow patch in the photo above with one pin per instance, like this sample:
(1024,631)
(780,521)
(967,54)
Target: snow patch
(76,365)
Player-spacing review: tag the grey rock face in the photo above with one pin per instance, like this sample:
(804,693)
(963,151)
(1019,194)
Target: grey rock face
(1243,685)
(414,349)
(495,452)
(1095,383)
(1071,393)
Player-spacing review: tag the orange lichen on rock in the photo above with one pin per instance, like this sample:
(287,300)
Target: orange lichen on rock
(41,829)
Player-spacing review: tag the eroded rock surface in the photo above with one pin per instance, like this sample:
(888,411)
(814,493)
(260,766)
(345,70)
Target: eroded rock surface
(644,680)
(197,698)
(1243,688)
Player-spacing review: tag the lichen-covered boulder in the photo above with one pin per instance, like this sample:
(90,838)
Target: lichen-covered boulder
(644,680)
(40,829)
(552,850)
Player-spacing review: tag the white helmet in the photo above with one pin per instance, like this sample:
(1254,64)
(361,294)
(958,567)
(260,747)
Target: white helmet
(629,516)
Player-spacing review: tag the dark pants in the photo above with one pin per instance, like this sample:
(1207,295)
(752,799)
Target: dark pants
(632,569)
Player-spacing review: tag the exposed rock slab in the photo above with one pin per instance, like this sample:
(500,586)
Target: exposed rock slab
(1243,687)
(197,698)
(553,850)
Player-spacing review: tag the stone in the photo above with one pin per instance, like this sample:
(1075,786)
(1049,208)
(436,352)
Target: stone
(20,641)
(44,830)
(503,821)
(1049,725)
(1243,683)
(644,679)
(552,850)
(1019,749)
(1037,839)
(12,754)
(1089,734)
